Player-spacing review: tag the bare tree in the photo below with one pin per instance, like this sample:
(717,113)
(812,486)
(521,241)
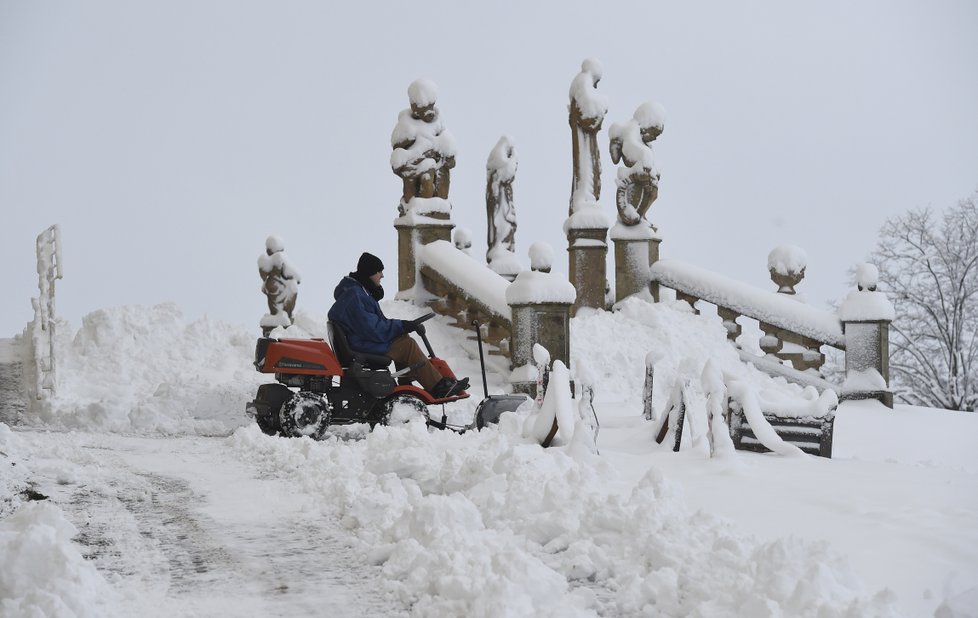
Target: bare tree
(929,265)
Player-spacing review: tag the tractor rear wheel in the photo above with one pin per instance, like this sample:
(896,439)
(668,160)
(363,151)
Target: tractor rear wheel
(306,414)
(402,408)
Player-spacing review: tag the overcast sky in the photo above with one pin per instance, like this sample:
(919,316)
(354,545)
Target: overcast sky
(169,139)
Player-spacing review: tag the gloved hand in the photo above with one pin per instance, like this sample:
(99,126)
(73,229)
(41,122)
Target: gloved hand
(419,328)
(409,326)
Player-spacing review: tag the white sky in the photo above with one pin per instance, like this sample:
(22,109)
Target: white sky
(168,140)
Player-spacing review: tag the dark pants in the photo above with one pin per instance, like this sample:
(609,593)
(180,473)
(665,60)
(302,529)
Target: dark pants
(405,351)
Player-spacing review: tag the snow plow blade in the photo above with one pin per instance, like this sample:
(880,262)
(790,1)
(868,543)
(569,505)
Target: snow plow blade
(493,406)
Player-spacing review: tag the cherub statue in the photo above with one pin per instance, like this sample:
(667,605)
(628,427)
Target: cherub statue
(587,111)
(500,211)
(424,152)
(280,283)
(638,178)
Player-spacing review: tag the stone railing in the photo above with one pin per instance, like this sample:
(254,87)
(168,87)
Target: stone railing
(452,300)
(792,332)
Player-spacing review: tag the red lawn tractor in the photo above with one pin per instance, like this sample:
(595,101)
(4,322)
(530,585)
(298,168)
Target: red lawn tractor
(319,384)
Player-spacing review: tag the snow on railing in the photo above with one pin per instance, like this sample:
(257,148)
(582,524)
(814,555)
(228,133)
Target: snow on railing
(778,310)
(42,328)
(476,279)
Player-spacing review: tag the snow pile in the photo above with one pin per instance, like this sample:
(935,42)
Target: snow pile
(787,260)
(540,287)
(866,304)
(42,572)
(487,524)
(145,369)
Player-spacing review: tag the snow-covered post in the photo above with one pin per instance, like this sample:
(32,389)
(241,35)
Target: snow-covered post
(636,240)
(280,283)
(866,315)
(44,324)
(423,156)
(586,226)
(462,238)
(540,302)
(500,211)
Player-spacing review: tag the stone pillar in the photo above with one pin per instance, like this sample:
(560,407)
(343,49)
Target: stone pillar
(540,303)
(867,361)
(866,315)
(545,323)
(412,234)
(588,251)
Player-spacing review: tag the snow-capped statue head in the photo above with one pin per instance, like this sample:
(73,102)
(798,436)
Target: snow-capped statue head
(650,116)
(594,68)
(423,94)
(541,257)
(867,277)
(274,244)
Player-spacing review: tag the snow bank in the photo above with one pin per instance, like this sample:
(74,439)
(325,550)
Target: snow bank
(42,572)
(144,369)
(488,524)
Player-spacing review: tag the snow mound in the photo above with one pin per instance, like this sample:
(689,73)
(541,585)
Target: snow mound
(42,572)
(488,524)
(145,370)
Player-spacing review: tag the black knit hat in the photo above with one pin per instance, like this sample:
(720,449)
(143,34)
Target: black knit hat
(369,265)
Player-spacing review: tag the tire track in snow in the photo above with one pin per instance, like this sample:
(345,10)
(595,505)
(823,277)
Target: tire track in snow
(171,548)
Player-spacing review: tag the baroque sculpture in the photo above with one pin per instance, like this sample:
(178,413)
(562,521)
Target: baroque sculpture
(587,111)
(280,283)
(500,211)
(638,178)
(423,151)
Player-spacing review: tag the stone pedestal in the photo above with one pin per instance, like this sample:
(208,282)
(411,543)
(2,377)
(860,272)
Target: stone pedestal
(545,323)
(412,234)
(633,256)
(867,361)
(588,251)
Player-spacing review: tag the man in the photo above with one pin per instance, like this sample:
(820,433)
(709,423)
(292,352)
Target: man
(357,311)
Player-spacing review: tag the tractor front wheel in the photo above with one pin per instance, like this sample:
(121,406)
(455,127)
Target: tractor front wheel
(306,414)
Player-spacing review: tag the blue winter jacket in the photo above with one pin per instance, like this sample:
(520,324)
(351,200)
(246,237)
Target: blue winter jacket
(359,314)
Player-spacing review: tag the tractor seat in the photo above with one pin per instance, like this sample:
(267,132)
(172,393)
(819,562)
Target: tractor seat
(346,355)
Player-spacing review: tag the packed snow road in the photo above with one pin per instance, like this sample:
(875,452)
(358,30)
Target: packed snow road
(180,528)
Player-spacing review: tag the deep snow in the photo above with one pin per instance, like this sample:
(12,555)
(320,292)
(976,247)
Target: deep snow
(486,523)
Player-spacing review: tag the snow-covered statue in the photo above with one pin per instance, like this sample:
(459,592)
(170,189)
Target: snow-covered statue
(587,111)
(787,264)
(500,211)
(280,283)
(424,152)
(638,178)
